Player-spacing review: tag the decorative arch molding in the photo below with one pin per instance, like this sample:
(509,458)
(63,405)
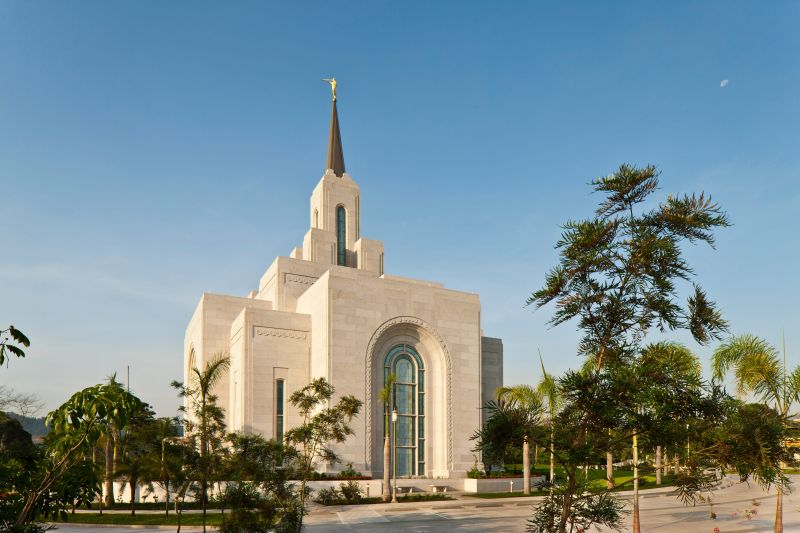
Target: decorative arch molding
(374,340)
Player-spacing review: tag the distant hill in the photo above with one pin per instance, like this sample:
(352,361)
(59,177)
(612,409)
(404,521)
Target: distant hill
(34,426)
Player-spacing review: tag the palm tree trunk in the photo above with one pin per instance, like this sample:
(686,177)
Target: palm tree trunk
(636,527)
(779,510)
(132,484)
(552,455)
(166,504)
(526,466)
(109,471)
(609,470)
(658,465)
(387,467)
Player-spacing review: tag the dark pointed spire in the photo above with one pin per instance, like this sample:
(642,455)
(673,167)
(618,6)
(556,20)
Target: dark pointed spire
(335,155)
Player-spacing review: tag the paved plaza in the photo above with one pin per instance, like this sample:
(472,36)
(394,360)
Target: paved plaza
(660,512)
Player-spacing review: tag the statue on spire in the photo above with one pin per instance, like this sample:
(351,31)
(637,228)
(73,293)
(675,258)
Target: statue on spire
(332,83)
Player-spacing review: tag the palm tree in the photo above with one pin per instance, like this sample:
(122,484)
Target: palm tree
(207,419)
(758,370)
(549,394)
(525,400)
(385,397)
(168,463)
(662,363)
(678,362)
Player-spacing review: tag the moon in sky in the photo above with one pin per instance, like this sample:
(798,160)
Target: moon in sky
(723,83)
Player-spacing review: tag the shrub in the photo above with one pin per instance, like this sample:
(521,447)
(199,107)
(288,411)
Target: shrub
(349,472)
(328,496)
(351,492)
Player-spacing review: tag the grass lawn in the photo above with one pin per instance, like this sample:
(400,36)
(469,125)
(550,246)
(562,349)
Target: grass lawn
(403,498)
(622,478)
(194,519)
(153,506)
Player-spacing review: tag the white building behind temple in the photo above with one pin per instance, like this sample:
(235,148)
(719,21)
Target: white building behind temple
(330,310)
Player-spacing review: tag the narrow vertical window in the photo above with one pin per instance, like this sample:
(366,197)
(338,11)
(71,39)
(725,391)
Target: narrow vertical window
(358,218)
(381,266)
(279,407)
(341,236)
(316,218)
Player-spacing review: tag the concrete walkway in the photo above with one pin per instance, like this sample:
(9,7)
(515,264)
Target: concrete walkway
(660,512)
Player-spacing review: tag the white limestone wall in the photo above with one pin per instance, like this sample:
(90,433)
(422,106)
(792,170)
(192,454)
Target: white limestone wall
(492,369)
(208,334)
(348,307)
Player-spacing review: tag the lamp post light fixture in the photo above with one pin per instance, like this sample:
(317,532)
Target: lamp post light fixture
(394,454)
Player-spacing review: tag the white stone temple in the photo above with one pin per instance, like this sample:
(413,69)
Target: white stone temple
(330,310)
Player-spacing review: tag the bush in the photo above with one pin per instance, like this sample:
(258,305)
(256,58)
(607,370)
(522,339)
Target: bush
(351,492)
(328,496)
(424,497)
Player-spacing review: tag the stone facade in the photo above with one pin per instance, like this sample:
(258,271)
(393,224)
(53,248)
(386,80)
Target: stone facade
(329,310)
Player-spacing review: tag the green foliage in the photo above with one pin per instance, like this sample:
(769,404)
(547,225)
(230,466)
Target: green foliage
(328,496)
(587,510)
(617,271)
(204,423)
(12,346)
(141,450)
(59,475)
(321,427)
(348,493)
(259,492)
(15,442)
(507,424)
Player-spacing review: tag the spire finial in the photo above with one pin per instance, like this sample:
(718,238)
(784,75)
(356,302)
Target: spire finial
(335,155)
(332,83)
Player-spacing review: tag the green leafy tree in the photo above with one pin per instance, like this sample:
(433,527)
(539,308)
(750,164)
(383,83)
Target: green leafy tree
(527,403)
(758,369)
(112,434)
(205,421)
(141,449)
(618,270)
(667,361)
(76,426)
(170,459)
(259,489)
(321,427)
(506,429)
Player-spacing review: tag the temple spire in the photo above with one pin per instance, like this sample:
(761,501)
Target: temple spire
(335,155)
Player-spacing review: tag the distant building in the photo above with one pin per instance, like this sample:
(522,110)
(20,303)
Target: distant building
(330,310)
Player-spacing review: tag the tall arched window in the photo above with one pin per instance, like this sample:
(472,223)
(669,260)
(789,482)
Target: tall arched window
(341,236)
(316,218)
(191,365)
(408,397)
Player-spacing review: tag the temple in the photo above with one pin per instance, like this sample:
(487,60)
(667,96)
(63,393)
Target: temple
(329,309)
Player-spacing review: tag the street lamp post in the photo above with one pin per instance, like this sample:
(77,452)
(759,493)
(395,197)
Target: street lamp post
(394,454)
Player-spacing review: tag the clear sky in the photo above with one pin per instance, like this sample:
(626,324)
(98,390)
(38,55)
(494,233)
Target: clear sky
(150,151)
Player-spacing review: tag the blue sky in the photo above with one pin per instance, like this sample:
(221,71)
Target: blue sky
(150,151)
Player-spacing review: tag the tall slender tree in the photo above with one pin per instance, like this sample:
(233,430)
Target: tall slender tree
(205,423)
(527,400)
(385,397)
(321,427)
(618,270)
(550,396)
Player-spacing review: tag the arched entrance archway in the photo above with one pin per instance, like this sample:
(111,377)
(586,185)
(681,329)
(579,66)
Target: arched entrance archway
(434,452)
